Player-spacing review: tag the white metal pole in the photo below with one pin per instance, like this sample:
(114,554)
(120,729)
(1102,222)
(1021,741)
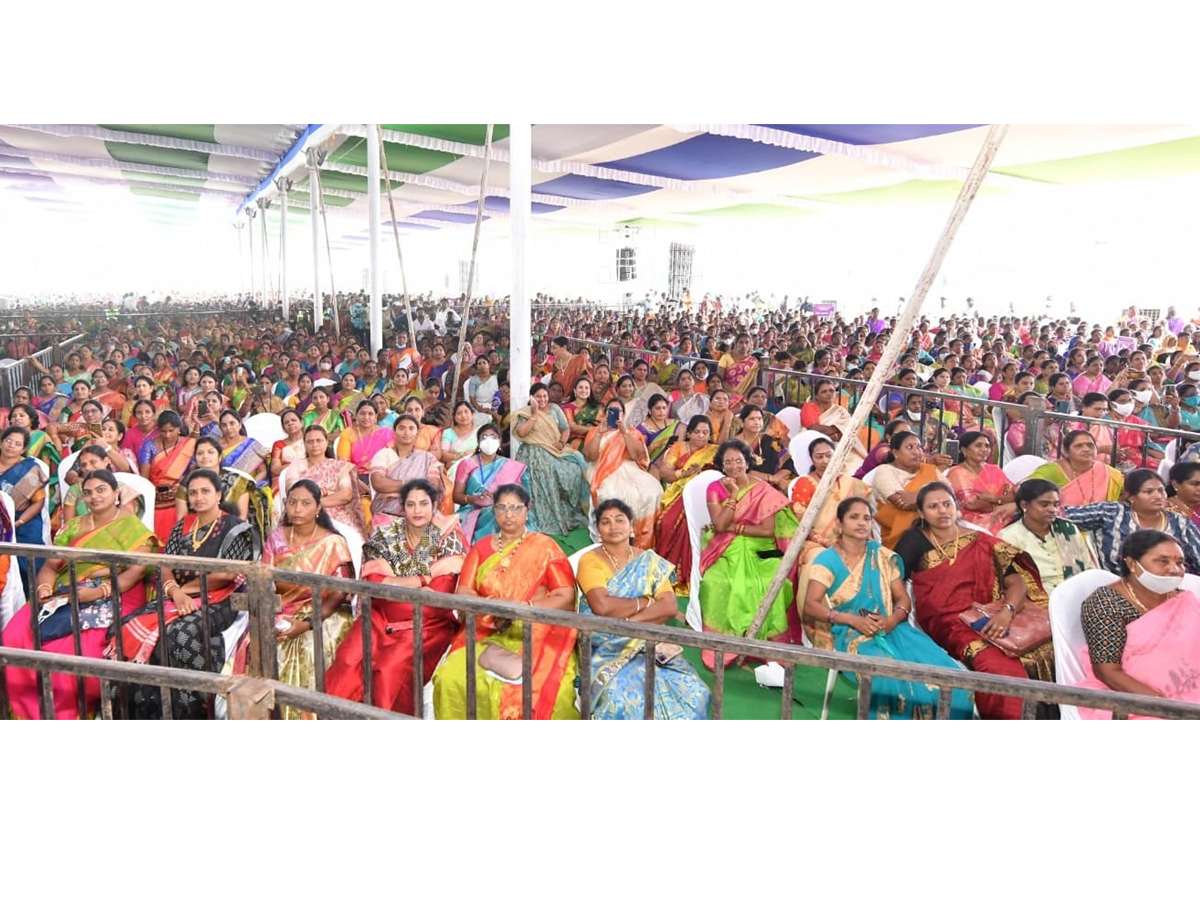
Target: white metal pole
(313,213)
(520,168)
(250,241)
(263,231)
(241,259)
(373,215)
(283,197)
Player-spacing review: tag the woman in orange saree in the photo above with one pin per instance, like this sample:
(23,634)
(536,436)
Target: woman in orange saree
(618,460)
(164,461)
(521,564)
(1082,478)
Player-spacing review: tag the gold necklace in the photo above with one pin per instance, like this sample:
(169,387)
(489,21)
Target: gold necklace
(292,534)
(197,544)
(1160,525)
(941,548)
(1178,506)
(1132,596)
(611,559)
(501,543)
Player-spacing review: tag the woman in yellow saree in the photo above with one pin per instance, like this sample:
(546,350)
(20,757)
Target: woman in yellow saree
(1080,477)
(738,369)
(521,564)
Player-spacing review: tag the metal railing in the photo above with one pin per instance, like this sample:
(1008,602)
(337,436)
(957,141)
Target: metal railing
(264,691)
(17,373)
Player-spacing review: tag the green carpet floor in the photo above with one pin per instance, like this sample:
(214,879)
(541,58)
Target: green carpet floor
(745,700)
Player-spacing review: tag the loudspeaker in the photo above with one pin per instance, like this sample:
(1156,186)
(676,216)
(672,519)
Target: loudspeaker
(626,264)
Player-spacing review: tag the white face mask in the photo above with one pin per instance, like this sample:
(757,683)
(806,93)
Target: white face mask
(1122,409)
(915,416)
(1159,584)
(1194,375)
(489,445)
(1141,396)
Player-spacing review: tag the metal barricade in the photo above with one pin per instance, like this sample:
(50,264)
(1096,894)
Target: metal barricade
(262,692)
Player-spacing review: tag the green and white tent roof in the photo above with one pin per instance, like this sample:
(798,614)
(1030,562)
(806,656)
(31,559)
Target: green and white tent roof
(583,175)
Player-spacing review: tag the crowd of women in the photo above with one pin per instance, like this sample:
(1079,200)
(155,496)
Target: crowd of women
(925,551)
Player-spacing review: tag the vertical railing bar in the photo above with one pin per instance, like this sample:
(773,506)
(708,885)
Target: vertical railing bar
(718,692)
(5,711)
(77,637)
(585,674)
(206,633)
(864,696)
(418,685)
(648,697)
(106,704)
(789,692)
(471,698)
(165,694)
(1119,715)
(364,611)
(527,670)
(318,633)
(1029,709)
(943,704)
(122,688)
(40,677)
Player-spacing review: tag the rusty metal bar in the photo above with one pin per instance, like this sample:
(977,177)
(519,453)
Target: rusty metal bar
(206,624)
(364,598)
(470,663)
(526,670)
(165,697)
(318,636)
(106,703)
(718,692)
(585,675)
(41,678)
(5,710)
(418,683)
(864,696)
(943,704)
(1028,710)
(648,697)
(789,692)
(122,689)
(77,636)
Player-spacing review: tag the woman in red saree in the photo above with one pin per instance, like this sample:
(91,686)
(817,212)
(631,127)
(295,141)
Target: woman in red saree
(412,552)
(521,564)
(953,568)
(164,461)
(103,528)
(682,462)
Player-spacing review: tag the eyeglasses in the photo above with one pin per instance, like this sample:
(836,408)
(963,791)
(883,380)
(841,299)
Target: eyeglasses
(503,508)
(14,442)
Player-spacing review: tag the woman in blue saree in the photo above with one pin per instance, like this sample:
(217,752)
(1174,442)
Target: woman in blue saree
(476,480)
(620,582)
(857,603)
(24,481)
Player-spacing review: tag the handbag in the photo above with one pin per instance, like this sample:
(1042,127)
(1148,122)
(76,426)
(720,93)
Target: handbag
(1029,629)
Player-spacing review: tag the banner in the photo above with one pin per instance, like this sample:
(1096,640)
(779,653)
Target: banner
(824,310)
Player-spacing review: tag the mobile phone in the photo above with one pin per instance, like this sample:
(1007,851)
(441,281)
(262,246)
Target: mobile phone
(664,653)
(612,416)
(952,448)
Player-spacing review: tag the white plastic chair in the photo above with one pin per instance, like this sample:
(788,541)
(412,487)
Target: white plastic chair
(869,478)
(798,447)
(13,596)
(354,541)
(264,428)
(1066,629)
(695,510)
(1007,454)
(64,467)
(1022,467)
(790,416)
(143,487)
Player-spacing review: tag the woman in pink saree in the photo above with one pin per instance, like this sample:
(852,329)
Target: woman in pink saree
(1143,633)
(1080,477)
(984,493)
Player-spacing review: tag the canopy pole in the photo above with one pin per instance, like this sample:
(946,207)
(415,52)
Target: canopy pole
(263,203)
(284,185)
(373,216)
(462,330)
(520,168)
(387,180)
(316,174)
(250,242)
(896,345)
(239,225)
(318,307)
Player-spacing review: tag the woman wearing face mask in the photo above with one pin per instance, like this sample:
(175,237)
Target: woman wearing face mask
(897,483)
(1143,506)
(476,481)
(1055,545)
(1134,449)
(1189,406)
(1143,631)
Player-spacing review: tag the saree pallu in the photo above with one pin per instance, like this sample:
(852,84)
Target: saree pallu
(1162,651)
(974,573)
(616,475)
(360,450)
(558,481)
(327,556)
(521,571)
(867,589)
(24,481)
(167,469)
(684,410)
(258,504)
(326,474)
(480,521)
(587,416)
(739,376)
(331,421)
(967,486)
(124,534)
(618,664)
(229,538)
(1099,484)
(836,417)
(250,456)
(51,407)
(387,555)
(658,442)
(672,541)
(417,464)
(736,569)
(893,521)
(824,526)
